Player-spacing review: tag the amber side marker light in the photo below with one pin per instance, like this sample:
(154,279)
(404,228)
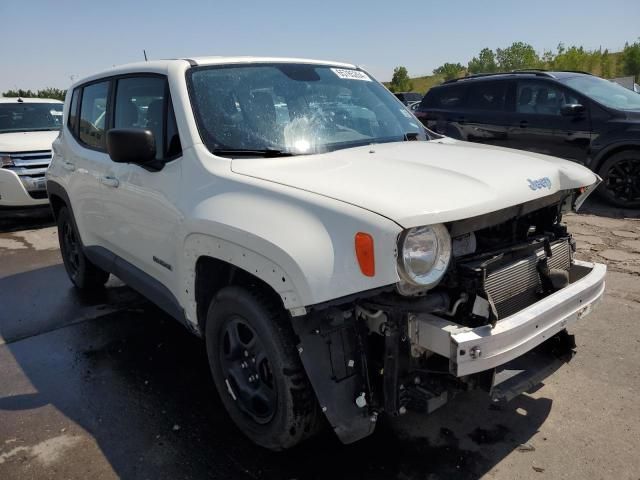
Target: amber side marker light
(365,255)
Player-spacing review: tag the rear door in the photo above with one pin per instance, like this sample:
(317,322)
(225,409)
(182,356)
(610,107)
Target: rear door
(486,115)
(87,160)
(442,110)
(538,125)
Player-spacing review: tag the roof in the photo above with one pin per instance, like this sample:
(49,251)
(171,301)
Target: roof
(165,65)
(557,74)
(27,100)
(224,60)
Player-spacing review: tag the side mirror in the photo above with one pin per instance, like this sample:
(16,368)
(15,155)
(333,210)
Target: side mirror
(131,145)
(572,110)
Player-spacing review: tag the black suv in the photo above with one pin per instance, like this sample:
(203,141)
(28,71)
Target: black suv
(573,115)
(408,97)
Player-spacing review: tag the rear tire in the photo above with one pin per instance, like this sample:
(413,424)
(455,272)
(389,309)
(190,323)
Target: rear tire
(82,273)
(257,370)
(621,179)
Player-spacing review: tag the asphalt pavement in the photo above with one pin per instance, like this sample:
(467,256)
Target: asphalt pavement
(109,387)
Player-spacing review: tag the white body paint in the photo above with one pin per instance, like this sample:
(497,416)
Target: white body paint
(289,221)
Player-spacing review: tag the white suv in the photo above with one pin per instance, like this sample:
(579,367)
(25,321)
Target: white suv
(28,126)
(339,260)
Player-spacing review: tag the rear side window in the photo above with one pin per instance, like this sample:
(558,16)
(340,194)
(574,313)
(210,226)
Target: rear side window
(446,98)
(93,112)
(143,102)
(488,96)
(73,112)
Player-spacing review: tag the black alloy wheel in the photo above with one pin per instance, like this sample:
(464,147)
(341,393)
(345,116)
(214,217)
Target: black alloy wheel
(621,179)
(247,370)
(70,248)
(257,370)
(83,274)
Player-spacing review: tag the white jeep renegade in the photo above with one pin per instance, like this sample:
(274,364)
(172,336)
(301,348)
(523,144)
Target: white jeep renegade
(27,128)
(339,260)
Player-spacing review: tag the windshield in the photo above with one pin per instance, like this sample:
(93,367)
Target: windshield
(295,109)
(608,93)
(30,117)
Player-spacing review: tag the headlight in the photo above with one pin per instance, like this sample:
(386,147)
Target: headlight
(424,255)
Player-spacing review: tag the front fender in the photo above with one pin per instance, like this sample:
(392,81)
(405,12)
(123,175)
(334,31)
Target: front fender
(304,252)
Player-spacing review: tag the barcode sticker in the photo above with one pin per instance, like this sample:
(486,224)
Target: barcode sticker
(351,74)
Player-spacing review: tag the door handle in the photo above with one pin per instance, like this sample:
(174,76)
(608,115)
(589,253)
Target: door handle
(523,124)
(112,182)
(68,166)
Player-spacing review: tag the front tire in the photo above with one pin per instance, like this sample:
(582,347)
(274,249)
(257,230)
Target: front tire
(257,370)
(82,273)
(621,179)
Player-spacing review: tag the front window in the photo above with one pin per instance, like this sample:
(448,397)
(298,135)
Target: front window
(608,93)
(542,98)
(295,109)
(30,117)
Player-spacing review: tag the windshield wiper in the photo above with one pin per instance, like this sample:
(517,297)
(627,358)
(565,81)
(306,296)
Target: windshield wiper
(243,152)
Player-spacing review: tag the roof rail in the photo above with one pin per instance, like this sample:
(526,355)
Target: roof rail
(575,71)
(540,73)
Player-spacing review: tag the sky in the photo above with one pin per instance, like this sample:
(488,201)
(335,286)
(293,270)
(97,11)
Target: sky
(47,43)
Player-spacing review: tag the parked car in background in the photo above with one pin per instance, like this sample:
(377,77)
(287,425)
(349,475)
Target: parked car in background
(338,259)
(572,115)
(28,126)
(408,97)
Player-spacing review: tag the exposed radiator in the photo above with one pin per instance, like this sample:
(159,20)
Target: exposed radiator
(514,286)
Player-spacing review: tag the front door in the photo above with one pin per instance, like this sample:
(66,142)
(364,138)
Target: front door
(143,201)
(538,125)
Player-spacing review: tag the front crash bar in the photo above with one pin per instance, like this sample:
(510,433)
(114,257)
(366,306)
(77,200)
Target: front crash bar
(473,350)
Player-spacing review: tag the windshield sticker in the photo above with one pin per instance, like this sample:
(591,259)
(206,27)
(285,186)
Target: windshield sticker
(351,74)
(405,113)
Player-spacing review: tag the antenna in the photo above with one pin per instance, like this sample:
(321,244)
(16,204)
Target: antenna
(145,55)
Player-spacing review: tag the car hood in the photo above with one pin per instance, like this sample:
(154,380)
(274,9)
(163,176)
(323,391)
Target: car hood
(422,183)
(26,141)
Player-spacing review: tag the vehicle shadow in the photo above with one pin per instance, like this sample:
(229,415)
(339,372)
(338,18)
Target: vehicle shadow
(13,220)
(596,206)
(139,383)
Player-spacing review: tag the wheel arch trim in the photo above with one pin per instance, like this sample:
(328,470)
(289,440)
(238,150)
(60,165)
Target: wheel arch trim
(612,149)
(279,279)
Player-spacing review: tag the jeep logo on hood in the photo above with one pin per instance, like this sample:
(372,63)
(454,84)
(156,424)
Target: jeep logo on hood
(539,183)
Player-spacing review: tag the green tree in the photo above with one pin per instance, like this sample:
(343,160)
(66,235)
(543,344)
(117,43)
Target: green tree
(485,62)
(631,59)
(572,58)
(518,56)
(606,67)
(400,81)
(450,70)
(50,92)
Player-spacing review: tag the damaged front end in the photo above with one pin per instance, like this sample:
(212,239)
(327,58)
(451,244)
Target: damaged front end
(496,319)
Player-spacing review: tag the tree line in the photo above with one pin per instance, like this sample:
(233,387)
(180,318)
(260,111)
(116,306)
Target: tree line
(55,93)
(521,55)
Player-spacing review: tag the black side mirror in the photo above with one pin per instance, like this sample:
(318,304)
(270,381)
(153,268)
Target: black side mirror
(572,110)
(131,145)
